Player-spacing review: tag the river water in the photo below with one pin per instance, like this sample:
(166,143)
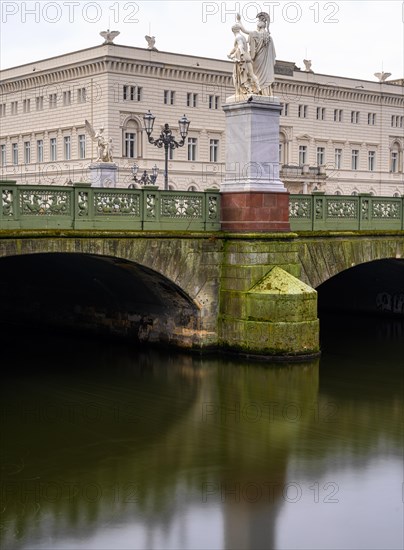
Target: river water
(104,447)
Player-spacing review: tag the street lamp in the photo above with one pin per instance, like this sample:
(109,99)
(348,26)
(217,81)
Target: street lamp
(166,139)
(145,179)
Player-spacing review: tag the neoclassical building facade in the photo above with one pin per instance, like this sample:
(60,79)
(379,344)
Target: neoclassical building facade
(339,135)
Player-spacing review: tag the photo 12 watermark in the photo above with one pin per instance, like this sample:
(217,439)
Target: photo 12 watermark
(76,413)
(268,412)
(270,492)
(70,12)
(40,492)
(290,12)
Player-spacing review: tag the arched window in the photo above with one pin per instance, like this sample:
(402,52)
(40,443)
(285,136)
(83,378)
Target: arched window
(192,188)
(130,139)
(396,157)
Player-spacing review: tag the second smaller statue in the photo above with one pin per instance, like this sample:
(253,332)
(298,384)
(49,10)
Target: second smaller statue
(254,62)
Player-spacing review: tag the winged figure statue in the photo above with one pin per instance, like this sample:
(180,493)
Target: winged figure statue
(109,36)
(104,145)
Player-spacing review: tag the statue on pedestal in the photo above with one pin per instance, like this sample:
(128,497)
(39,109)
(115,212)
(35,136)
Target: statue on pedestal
(103,171)
(104,145)
(261,55)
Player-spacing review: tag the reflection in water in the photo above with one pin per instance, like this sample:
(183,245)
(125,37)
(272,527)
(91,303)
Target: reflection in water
(110,448)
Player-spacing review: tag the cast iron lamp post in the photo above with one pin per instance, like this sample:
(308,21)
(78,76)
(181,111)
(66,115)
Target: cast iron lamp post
(145,179)
(166,139)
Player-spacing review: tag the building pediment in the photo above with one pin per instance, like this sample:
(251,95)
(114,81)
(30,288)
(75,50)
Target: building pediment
(304,136)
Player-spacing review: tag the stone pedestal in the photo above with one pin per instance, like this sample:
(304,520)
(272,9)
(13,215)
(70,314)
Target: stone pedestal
(253,196)
(103,174)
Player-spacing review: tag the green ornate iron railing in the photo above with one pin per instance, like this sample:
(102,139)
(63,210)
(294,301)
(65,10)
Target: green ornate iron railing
(85,207)
(320,212)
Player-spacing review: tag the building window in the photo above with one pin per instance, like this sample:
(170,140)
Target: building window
(66,147)
(394,161)
(192,148)
(396,158)
(285,109)
(338,159)
(132,93)
(39,150)
(129,145)
(355,117)
(52,149)
(371,119)
(320,156)
(320,113)
(39,103)
(214,102)
(302,111)
(82,146)
(81,95)
(191,99)
(302,154)
(14,149)
(27,152)
(67,98)
(53,101)
(2,110)
(14,107)
(355,159)
(3,155)
(169,97)
(337,115)
(214,150)
(371,161)
(26,105)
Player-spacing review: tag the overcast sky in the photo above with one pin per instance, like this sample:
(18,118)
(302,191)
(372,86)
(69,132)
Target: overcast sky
(353,38)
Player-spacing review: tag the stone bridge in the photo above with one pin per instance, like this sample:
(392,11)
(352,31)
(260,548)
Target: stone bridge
(248,293)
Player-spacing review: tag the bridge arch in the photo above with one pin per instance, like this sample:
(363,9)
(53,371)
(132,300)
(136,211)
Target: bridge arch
(375,287)
(180,284)
(101,294)
(322,257)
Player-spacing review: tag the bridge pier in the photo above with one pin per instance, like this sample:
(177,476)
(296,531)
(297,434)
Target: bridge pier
(265,310)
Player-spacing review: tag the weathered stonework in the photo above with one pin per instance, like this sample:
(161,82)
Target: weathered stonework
(241,293)
(264,308)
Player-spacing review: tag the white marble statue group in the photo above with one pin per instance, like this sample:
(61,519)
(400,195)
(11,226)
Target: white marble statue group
(254,61)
